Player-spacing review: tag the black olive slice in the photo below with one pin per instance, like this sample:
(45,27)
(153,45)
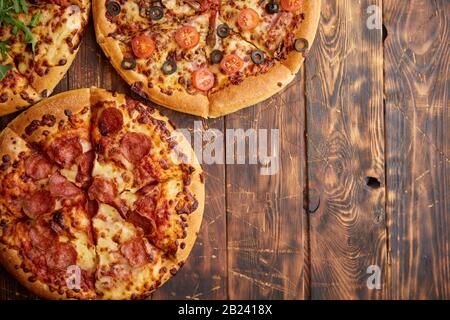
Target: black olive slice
(258,56)
(272,7)
(128,63)
(301,45)
(216,56)
(223,30)
(156,13)
(169,67)
(113,8)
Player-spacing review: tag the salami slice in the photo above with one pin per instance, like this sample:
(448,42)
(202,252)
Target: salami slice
(102,191)
(38,203)
(146,206)
(146,224)
(87,163)
(110,121)
(65,150)
(37,167)
(41,235)
(135,146)
(134,251)
(61,256)
(60,187)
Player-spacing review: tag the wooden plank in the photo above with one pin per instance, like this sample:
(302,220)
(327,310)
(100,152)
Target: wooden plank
(344,79)
(417,89)
(266,227)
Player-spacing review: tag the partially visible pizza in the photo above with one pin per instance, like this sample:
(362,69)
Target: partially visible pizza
(206,57)
(100,197)
(38,42)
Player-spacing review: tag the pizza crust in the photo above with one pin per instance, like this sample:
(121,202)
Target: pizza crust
(251,91)
(57,106)
(230,99)
(307,31)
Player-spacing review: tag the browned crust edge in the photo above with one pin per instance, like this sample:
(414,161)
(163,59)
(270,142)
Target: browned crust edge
(73,101)
(251,91)
(308,30)
(11,260)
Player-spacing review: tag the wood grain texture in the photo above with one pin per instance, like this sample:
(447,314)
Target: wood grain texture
(266,227)
(313,229)
(344,79)
(417,86)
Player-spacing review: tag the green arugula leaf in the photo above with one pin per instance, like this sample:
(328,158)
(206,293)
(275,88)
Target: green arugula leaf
(4,70)
(35,19)
(4,49)
(23,6)
(9,7)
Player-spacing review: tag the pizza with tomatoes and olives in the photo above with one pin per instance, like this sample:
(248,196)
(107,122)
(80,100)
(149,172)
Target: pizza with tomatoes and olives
(100,197)
(206,57)
(38,42)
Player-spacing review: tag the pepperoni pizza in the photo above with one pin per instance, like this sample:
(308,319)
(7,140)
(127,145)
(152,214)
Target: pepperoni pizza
(38,42)
(206,57)
(100,197)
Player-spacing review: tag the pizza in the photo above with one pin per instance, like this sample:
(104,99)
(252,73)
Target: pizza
(38,42)
(206,57)
(100,197)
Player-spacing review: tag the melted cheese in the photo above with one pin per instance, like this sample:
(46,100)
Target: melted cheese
(112,231)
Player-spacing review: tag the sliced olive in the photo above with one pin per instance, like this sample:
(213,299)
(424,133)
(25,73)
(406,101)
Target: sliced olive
(301,45)
(216,56)
(272,7)
(128,63)
(258,56)
(169,67)
(156,13)
(223,30)
(113,8)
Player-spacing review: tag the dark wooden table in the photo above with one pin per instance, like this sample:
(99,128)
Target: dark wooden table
(364,175)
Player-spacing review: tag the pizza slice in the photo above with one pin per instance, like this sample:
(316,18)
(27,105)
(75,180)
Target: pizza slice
(135,146)
(162,60)
(32,185)
(45,231)
(40,44)
(271,25)
(163,211)
(128,265)
(54,253)
(59,128)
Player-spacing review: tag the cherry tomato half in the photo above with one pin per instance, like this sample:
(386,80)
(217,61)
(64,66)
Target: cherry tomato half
(187,37)
(143,46)
(248,19)
(203,79)
(291,5)
(231,63)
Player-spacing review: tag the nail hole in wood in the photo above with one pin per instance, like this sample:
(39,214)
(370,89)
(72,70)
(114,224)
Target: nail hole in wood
(373,183)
